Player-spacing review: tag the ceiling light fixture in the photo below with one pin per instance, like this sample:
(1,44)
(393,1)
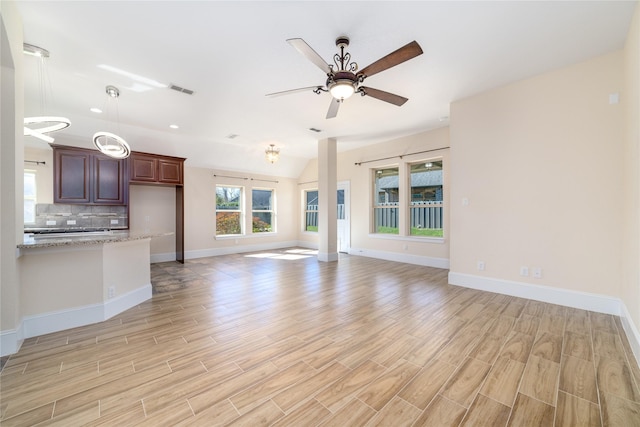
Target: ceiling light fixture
(272,153)
(109,143)
(50,123)
(342,83)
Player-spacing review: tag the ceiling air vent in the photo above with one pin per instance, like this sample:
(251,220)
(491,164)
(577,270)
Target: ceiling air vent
(181,89)
(315,130)
(231,136)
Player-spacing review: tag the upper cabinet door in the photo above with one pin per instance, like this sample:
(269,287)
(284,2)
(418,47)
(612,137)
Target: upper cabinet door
(109,187)
(71,180)
(148,168)
(170,171)
(144,168)
(86,177)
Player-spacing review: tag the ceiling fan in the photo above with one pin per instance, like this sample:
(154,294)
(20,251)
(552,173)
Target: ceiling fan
(344,79)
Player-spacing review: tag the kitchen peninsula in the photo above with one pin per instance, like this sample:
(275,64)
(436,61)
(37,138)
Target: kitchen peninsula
(76,279)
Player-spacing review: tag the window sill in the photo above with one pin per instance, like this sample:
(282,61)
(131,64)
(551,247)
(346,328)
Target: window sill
(415,239)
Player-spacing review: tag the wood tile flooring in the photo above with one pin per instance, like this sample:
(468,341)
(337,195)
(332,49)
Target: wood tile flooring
(278,338)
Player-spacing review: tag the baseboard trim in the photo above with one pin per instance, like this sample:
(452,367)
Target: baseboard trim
(631,331)
(126,301)
(55,321)
(569,298)
(566,297)
(425,261)
(203,253)
(166,257)
(10,341)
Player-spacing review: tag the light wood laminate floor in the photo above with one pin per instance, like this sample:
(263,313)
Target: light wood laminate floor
(278,338)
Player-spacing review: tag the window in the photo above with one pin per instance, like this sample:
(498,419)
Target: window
(425,207)
(386,198)
(311,210)
(262,214)
(29,197)
(228,210)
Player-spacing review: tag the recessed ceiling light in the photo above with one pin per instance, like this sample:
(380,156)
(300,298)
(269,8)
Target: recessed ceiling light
(174,126)
(95,110)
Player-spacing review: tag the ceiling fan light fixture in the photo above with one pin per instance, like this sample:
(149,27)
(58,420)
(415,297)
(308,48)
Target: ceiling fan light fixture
(342,85)
(272,153)
(342,89)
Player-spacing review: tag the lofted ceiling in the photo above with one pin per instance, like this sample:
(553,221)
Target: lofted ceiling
(231,54)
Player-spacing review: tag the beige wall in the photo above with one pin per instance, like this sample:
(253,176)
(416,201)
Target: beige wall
(200,201)
(152,210)
(631,244)
(539,162)
(11,177)
(360,180)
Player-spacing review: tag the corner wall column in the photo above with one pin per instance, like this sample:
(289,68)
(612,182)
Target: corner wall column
(327,200)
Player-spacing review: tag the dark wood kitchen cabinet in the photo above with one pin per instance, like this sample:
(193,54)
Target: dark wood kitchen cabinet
(148,168)
(87,177)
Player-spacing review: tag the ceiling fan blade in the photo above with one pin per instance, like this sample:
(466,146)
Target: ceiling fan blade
(384,96)
(333,108)
(405,53)
(290,91)
(302,47)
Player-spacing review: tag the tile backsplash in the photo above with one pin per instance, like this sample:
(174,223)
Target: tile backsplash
(58,215)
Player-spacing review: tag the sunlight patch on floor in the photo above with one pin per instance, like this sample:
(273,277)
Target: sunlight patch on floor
(290,254)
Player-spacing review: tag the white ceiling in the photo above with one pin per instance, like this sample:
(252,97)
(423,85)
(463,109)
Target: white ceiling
(233,53)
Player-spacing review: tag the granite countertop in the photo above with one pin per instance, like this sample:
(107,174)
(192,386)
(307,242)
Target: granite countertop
(88,238)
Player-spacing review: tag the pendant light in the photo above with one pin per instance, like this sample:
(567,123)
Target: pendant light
(109,143)
(40,126)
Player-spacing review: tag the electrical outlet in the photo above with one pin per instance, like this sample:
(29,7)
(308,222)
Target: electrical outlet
(537,272)
(481,265)
(111,291)
(524,270)
(114,222)
(51,222)
(71,222)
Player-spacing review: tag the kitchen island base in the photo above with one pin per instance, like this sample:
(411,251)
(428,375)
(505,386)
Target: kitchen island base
(69,286)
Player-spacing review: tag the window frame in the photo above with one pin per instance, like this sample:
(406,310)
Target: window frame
(404,205)
(434,208)
(240,210)
(272,211)
(389,208)
(306,211)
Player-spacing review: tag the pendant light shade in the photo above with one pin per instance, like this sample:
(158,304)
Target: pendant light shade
(41,126)
(109,143)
